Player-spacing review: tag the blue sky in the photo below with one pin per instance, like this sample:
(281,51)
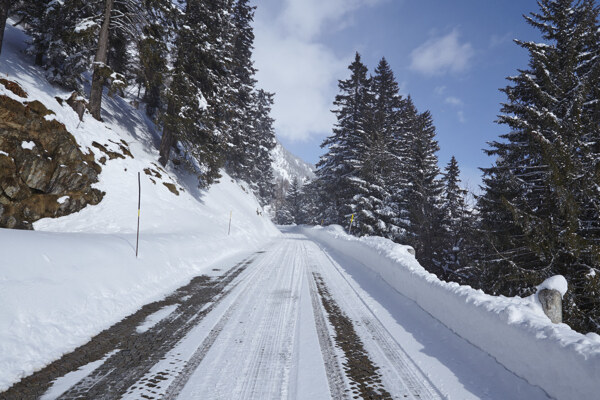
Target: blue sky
(450,56)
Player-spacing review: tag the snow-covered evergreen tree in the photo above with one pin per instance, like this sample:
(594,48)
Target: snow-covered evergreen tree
(64,39)
(456,224)
(311,202)
(239,156)
(294,201)
(260,143)
(5,9)
(421,197)
(196,106)
(543,186)
(339,169)
(386,149)
(31,15)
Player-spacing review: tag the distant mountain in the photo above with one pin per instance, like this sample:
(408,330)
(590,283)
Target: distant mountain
(286,165)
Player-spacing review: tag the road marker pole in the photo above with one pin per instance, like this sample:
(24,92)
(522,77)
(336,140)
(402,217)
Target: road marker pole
(229,231)
(350,227)
(137,240)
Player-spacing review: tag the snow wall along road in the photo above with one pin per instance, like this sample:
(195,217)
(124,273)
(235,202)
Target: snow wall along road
(513,330)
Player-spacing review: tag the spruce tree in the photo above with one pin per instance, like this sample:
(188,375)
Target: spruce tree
(339,169)
(31,15)
(421,198)
(153,52)
(5,9)
(260,144)
(67,39)
(240,157)
(386,149)
(311,199)
(294,201)
(541,186)
(196,105)
(457,225)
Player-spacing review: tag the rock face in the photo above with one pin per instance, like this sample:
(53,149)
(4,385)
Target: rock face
(43,173)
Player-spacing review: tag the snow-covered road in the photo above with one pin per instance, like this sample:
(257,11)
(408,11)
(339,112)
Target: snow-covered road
(277,338)
(293,321)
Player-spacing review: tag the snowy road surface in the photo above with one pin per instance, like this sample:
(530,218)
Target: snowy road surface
(293,321)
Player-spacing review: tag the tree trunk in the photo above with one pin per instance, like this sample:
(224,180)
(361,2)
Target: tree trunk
(4,8)
(98,77)
(166,143)
(168,136)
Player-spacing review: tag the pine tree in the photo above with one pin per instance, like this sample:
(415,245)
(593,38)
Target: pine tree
(456,223)
(386,148)
(153,52)
(421,198)
(279,206)
(150,70)
(311,199)
(6,6)
(294,201)
(260,144)
(542,185)
(122,22)
(101,70)
(66,37)
(196,105)
(239,157)
(31,14)
(339,169)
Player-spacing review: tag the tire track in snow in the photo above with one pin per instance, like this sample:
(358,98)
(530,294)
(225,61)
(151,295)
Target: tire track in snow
(335,376)
(139,352)
(251,357)
(402,377)
(188,367)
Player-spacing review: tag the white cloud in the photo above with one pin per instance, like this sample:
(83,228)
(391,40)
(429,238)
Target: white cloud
(440,90)
(303,77)
(306,18)
(293,63)
(454,101)
(499,40)
(441,55)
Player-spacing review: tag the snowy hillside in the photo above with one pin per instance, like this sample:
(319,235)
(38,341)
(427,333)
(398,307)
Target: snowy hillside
(72,277)
(286,165)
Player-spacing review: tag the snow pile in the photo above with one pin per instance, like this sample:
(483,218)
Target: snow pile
(557,282)
(515,331)
(77,275)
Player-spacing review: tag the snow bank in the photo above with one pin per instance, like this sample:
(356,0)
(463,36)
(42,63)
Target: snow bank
(515,331)
(57,290)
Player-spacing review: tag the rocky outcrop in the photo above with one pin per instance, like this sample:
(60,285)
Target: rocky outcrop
(43,172)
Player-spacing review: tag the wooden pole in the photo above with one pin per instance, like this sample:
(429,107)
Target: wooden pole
(137,240)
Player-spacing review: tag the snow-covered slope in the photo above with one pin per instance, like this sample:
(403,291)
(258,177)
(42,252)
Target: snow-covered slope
(77,275)
(286,165)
